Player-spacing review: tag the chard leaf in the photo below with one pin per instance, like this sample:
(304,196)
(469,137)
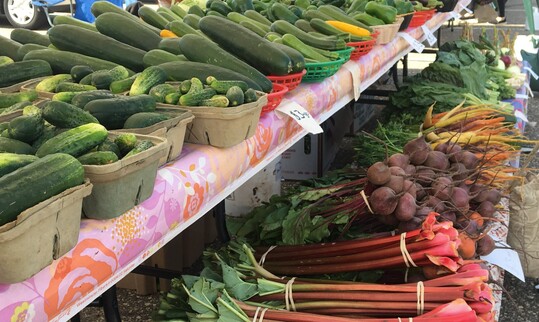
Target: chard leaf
(320,230)
(313,195)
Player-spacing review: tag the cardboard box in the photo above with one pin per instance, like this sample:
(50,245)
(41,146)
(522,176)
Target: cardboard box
(300,162)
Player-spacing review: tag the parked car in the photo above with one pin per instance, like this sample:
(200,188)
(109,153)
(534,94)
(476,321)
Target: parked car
(23,14)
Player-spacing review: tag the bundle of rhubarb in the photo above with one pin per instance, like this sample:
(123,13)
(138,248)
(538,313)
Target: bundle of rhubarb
(252,292)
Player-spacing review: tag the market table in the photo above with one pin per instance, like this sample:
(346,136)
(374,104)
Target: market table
(184,191)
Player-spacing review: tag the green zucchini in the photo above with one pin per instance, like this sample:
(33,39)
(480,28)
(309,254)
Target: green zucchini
(246,45)
(100,7)
(61,62)
(195,10)
(185,70)
(113,112)
(168,17)
(171,45)
(298,61)
(220,7)
(127,30)
(178,11)
(180,29)
(67,20)
(339,15)
(75,141)
(311,14)
(10,162)
(9,48)
(306,50)
(26,36)
(65,115)
(284,27)
(304,25)
(150,77)
(281,12)
(157,57)
(98,158)
(26,48)
(20,71)
(254,28)
(192,20)
(36,182)
(239,18)
(144,119)
(169,12)
(257,16)
(151,17)
(80,40)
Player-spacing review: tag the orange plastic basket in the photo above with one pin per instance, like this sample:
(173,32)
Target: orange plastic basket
(275,97)
(291,81)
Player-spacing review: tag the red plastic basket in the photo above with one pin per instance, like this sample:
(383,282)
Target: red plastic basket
(291,81)
(275,97)
(421,17)
(361,48)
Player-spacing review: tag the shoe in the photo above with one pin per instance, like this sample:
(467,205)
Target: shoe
(467,15)
(501,20)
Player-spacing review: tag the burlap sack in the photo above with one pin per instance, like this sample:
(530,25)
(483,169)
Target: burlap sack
(524,224)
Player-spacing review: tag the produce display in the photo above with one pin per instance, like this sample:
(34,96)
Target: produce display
(398,238)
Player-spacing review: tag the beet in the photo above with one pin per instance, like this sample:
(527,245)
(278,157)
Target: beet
(470,227)
(467,158)
(410,169)
(442,147)
(480,193)
(383,201)
(435,204)
(437,160)
(459,171)
(442,188)
(418,150)
(406,207)
(425,176)
(396,183)
(413,224)
(448,216)
(397,171)
(398,160)
(378,173)
(494,196)
(452,149)
(423,211)
(410,187)
(460,199)
(420,191)
(486,209)
(388,220)
(485,245)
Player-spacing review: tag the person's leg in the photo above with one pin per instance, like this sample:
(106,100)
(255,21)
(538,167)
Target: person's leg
(501,11)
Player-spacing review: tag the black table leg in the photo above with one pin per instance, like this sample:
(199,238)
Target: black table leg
(110,305)
(220,222)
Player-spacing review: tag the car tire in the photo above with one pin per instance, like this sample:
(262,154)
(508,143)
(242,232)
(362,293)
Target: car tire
(23,14)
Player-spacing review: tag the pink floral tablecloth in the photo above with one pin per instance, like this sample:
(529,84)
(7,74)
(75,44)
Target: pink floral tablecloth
(184,190)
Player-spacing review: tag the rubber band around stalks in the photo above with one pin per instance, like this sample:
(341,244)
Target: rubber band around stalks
(288,299)
(262,312)
(263,257)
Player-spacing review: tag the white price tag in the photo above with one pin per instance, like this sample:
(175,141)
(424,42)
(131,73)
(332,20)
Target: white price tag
(300,115)
(508,260)
(431,39)
(353,68)
(521,96)
(521,116)
(534,75)
(462,7)
(454,15)
(416,45)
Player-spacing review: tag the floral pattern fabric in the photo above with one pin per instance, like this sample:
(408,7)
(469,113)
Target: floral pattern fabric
(184,190)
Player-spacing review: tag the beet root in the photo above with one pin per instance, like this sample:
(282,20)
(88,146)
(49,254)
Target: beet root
(485,245)
(379,173)
(406,207)
(383,201)
(396,183)
(437,160)
(418,150)
(398,160)
(442,188)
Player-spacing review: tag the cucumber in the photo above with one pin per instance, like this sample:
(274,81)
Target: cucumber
(185,70)
(36,182)
(74,87)
(26,128)
(66,97)
(159,92)
(122,85)
(172,98)
(65,115)
(15,107)
(15,146)
(75,142)
(26,36)
(140,147)
(145,119)
(185,86)
(216,101)
(119,73)
(49,84)
(221,87)
(78,72)
(246,45)
(98,158)
(20,71)
(80,40)
(127,30)
(4,60)
(196,86)
(10,162)
(250,96)
(109,145)
(84,98)
(196,97)
(235,96)
(150,77)
(9,99)
(126,142)
(113,112)
(101,79)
